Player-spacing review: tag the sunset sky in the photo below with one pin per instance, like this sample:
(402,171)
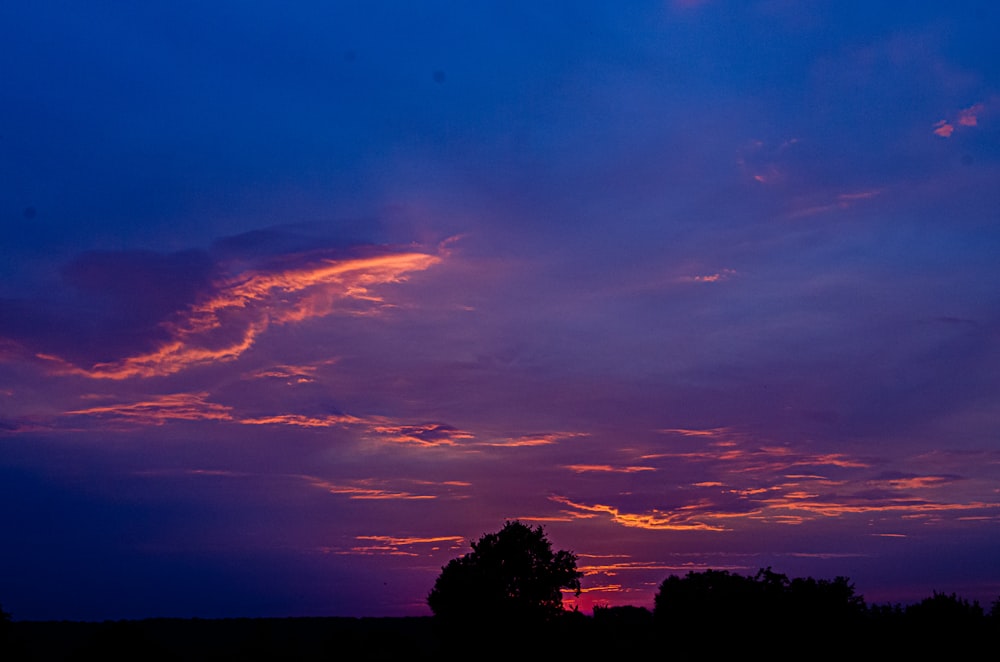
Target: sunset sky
(297,299)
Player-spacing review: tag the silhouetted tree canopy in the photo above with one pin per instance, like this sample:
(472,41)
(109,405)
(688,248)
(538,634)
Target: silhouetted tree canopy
(509,575)
(703,606)
(942,610)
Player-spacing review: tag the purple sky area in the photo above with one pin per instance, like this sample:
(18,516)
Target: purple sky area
(298,298)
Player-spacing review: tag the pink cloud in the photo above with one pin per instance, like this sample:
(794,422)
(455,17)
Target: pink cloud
(944,129)
(967,117)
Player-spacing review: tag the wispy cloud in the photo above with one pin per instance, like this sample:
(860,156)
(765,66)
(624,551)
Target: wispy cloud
(161,409)
(303,421)
(420,434)
(536,439)
(291,374)
(403,545)
(812,206)
(365,489)
(716,277)
(682,520)
(606,468)
(227,321)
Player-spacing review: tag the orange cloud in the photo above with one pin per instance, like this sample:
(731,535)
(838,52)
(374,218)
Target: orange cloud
(714,433)
(293,374)
(606,468)
(160,409)
(228,321)
(915,482)
(364,490)
(299,420)
(397,546)
(540,439)
(851,506)
(421,434)
(399,542)
(654,519)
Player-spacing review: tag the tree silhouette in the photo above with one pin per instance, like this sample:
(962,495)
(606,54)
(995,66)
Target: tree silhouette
(695,611)
(511,575)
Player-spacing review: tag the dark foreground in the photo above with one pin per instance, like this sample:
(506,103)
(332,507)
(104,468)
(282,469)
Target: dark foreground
(153,640)
(619,633)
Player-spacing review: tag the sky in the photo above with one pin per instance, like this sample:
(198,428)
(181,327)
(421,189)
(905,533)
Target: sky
(298,299)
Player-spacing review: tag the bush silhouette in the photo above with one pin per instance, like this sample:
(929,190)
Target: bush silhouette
(511,575)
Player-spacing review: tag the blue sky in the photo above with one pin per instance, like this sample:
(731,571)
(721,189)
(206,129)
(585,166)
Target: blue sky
(296,301)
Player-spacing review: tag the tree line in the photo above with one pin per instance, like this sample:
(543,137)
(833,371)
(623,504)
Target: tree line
(513,580)
(505,598)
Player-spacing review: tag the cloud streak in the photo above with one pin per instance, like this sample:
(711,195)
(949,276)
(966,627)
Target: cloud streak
(227,322)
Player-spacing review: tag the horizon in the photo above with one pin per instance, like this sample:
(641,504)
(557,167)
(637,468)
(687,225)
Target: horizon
(295,302)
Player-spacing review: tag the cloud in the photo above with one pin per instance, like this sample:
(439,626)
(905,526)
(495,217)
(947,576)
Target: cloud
(901,481)
(537,439)
(422,434)
(606,468)
(652,519)
(814,205)
(365,489)
(716,277)
(944,129)
(227,320)
(963,119)
(302,421)
(404,546)
(160,409)
(291,374)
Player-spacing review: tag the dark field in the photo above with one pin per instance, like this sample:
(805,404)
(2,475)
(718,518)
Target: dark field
(617,633)
(303,639)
